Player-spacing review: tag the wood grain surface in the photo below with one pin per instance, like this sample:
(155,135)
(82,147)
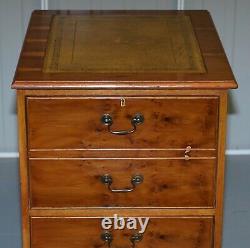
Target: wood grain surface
(117,154)
(170,122)
(126,212)
(222,132)
(86,232)
(23,169)
(65,149)
(167,183)
(131,52)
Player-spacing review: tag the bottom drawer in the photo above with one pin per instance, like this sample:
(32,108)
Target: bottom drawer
(170,232)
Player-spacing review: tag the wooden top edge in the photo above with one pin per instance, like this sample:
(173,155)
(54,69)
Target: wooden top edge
(30,78)
(118,11)
(19,85)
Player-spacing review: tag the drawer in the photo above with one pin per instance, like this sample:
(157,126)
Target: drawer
(154,183)
(75,122)
(86,232)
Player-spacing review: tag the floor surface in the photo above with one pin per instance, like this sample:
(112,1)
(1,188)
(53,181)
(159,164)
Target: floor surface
(236,216)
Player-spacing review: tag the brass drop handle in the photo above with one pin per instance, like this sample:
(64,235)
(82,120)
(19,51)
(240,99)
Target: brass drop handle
(107,237)
(137,119)
(108,180)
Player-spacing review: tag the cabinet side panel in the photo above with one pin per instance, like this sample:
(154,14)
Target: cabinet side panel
(221,170)
(23,168)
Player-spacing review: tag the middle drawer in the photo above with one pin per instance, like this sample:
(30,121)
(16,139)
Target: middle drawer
(129,183)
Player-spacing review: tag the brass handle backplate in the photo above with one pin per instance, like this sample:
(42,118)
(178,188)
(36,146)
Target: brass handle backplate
(108,180)
(137,119)
(137,237)
(107,237)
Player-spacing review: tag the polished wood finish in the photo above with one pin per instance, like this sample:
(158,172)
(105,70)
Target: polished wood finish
(120,153)
(220,171)
(167,183)
(50,121)
(179,149)
(23,170)
(125,212)
(161,232)
(30,74)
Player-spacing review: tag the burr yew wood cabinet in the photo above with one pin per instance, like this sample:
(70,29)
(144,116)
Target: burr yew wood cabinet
(122,112)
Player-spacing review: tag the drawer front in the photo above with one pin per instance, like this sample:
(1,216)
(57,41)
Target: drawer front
(160,233)
(79,183)
(75,123)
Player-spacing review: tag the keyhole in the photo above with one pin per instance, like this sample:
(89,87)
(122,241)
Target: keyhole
(123,102)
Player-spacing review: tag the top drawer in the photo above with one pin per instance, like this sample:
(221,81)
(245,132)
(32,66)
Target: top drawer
(75,122)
